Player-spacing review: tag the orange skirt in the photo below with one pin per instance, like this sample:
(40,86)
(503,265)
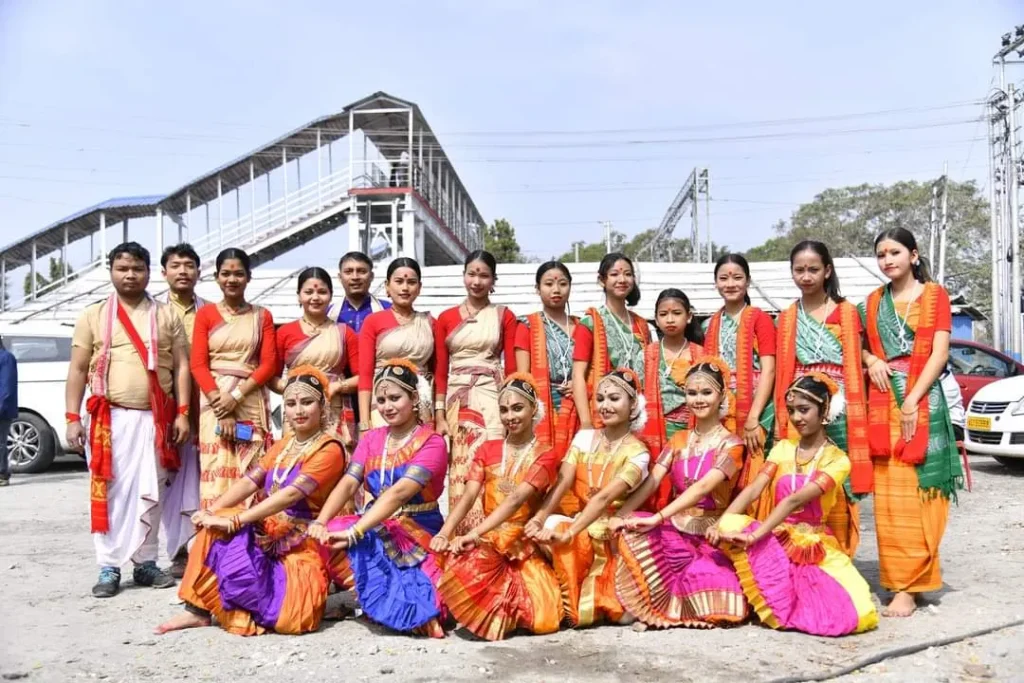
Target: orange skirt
(502,585)
(586,569)
(909,525)
(249,596)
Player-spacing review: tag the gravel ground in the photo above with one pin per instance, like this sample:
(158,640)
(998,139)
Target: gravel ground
(53,630)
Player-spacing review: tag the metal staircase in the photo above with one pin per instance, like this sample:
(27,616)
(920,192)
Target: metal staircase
(394,199)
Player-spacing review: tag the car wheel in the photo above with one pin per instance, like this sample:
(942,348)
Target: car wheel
(30,445)
(1012,463)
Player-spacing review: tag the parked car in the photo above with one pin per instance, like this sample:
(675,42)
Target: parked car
(975,366)
(995,422)
(43,352)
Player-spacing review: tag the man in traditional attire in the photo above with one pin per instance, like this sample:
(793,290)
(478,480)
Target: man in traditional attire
(132,352)
(180,499)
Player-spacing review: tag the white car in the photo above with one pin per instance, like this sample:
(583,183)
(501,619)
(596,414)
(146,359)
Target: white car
(995,422)
(43,352)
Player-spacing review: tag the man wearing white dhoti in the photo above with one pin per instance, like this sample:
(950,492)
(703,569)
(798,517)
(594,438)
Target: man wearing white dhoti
(132,352)
(180,499)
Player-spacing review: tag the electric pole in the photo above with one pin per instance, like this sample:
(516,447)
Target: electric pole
(943,224)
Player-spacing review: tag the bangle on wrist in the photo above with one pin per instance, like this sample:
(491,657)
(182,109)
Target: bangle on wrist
(183,410)
(237,394)
(439,404)
(72,417)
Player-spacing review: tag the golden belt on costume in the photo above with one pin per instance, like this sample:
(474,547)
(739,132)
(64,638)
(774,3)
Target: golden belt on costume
(833,371)
(415,509)
(475,373)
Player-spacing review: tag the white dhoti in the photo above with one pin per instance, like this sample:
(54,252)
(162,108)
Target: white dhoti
(180,499)
(133,497)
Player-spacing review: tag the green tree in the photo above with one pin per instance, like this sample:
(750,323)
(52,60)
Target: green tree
(56,273)
(847,219)
(500,240)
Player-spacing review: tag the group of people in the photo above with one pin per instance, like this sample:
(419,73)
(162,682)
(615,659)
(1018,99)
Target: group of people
(597,471)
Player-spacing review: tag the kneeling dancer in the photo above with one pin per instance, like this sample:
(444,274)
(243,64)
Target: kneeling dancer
(495,579)
(255,570)
(669,575)
(385,552)
(602,467)
(792,567)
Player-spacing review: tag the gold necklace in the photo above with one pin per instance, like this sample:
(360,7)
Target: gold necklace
(507,482)
(314,328)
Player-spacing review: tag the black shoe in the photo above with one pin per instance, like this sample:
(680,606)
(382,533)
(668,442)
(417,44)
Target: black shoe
(148,574)
(109,583)
(5,481)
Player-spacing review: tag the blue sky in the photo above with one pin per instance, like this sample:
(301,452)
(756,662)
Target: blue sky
(101,99)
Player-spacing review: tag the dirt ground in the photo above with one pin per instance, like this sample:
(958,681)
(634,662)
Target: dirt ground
(53,630)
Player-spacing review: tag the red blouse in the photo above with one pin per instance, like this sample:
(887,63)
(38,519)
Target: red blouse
(374,325)
(207,319)
(288,336)
(447,322)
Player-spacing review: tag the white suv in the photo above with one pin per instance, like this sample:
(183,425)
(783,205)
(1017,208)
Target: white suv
(43,352)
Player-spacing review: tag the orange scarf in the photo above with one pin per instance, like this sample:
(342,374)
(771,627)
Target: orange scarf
(655,432)
(744,370)
(600,359)
(861,476)
(555,431)
(934,309)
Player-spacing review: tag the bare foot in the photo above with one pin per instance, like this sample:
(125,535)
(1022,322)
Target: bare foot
(184,620)
(903,604)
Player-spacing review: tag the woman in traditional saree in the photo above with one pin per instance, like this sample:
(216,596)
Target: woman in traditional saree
(385,552)
(821,332)
(399,332)
(916,462)
(666,363)
(332,347)
(255,570)
(233,358)
(668,574)
(495,579)
(471,340)
(608,337)
(602,467)
(544,349)
(793,570)
(744,336)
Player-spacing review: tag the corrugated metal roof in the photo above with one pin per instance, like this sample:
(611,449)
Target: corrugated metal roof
(236,173)
(80,224)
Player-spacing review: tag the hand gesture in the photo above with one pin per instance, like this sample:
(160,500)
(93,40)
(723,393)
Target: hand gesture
(226,405)
(215,523)
(713,535)
(338,540)
(533,527)
(76,436)
(879,372)
(753,435)
(616,524)
(463,543)
(439,544)
(908,420)
(180,431)
(227,428)
(318,532)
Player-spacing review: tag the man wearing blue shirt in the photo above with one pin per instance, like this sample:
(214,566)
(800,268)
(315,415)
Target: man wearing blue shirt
(8,407)
(355,270)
